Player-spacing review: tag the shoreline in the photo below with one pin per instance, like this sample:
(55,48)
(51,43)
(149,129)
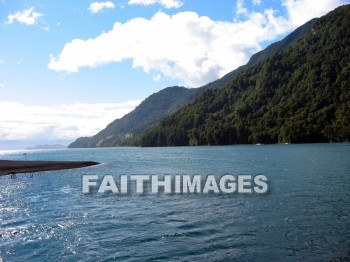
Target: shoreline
(12,167)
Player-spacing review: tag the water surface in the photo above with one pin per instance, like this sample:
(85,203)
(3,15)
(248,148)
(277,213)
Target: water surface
(304,216)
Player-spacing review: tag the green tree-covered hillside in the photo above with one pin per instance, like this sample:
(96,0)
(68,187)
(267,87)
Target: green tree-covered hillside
(124,131)
(299,95)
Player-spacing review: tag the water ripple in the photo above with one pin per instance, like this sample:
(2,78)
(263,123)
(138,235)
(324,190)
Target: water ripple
(304,217)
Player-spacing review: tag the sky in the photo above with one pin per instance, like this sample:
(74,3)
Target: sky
(68,68)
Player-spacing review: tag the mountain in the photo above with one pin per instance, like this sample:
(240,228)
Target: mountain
(47,146)
(124,130)
(151,110)
(301,94)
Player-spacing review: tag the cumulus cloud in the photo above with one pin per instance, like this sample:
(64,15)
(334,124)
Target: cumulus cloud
(301,11)
(60,122)
(165,3)
(185,46)
(98,7)
(27,17)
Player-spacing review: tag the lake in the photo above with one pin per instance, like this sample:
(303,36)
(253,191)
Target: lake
(303,216)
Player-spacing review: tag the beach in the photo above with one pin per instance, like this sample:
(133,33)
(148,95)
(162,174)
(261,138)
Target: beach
(8,167)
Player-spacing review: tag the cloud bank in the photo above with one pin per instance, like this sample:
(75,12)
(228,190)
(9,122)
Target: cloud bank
(301,11)
(60,122)
(185,46)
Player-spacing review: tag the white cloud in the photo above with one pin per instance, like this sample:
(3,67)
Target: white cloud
(60,122)
(157,77)
(98,7)
(2,86)
(301,11)
(165,3)
(240,9)
(2,61)
(184,46)
(27,17)
(256,2)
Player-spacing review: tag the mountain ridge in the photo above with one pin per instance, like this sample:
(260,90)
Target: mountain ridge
(299,95)
(124,131)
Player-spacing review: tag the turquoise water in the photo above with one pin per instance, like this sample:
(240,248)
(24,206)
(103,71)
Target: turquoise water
(304,215)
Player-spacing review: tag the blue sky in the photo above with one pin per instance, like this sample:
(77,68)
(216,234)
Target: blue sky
(68,68)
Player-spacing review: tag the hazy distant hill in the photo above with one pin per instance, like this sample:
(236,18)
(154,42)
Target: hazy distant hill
(47,146)
(157,106)
(301,94)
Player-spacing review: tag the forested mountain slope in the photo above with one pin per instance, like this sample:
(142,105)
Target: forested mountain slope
(301,94)
(124,130)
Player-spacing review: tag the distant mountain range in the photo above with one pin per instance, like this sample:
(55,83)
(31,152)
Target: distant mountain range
(298,95)
(47,146)
(125,131)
